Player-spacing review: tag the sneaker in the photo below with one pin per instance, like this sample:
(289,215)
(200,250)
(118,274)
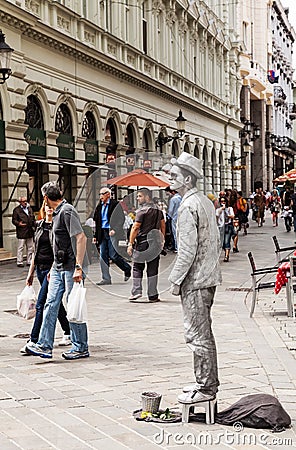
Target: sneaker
(103,283)
(73,354)
(65,341)
(36,350)
(194,397)
(132,298)
(127,276)
(23,349)
(154,300)
(190,388)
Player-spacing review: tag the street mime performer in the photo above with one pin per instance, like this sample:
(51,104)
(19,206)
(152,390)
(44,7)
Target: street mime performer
(195,275)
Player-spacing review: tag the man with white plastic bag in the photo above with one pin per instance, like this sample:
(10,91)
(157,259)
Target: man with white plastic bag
(69,246)
(26,303)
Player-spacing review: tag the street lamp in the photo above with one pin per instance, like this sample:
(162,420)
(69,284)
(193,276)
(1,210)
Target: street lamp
(246,146)
(5,56)
(180,125)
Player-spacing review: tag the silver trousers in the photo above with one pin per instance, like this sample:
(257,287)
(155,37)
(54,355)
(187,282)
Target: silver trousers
(199,336)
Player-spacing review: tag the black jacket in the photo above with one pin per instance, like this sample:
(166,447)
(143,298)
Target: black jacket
(18,216)
(115,216)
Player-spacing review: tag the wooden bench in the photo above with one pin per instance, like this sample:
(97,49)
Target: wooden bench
(279,249)
(257,284)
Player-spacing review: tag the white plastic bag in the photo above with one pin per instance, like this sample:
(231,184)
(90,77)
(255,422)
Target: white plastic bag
(76,308)
(26,303)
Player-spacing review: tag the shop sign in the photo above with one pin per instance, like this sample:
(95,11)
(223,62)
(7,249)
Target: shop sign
(147,164)
(91,151)
(130,161)
(65,143)
(238,167)
(2,136)
(110,158)
(36,139)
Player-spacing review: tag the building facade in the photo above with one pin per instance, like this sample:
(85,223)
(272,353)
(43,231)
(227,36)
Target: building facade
(89,91)
(281,141)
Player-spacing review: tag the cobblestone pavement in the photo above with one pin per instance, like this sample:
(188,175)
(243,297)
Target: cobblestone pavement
(88,404)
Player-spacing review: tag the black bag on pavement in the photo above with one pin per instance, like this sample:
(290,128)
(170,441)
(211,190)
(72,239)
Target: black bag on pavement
(256,411)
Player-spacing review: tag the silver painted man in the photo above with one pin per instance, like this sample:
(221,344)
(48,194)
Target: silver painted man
(196,274)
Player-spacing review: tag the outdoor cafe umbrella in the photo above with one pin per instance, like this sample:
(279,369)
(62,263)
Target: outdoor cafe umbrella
(288,176)
(137,177)
(280,179)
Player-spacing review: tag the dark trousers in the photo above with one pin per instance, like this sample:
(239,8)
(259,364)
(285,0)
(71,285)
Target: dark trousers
(152,278)
(107,252)
(42,278)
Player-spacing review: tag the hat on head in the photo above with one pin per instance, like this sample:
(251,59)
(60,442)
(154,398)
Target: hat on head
(211,197)
(190,163)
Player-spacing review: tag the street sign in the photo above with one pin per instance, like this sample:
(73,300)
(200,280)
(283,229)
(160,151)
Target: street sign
(238,167)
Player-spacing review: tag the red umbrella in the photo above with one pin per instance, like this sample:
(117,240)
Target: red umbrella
(137,177)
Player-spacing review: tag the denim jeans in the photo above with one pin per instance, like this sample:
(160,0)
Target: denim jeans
(107,251)
(62,316)
(60,283)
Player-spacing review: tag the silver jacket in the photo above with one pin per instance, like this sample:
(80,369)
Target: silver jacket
(197,264)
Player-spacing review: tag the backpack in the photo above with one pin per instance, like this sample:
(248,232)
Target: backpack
(256,411)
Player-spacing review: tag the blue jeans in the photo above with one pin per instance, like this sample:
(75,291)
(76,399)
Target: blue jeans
(62,316)
(60,283)
(107,252)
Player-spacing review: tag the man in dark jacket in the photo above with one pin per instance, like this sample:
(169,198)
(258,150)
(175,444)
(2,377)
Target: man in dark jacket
(24,221)
(109,219)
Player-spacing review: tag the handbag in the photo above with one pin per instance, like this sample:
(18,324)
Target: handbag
(26,303)
(76,306)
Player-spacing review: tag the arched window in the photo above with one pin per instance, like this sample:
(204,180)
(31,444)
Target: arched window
(36,138)
(89,126)
(129,140)
(146,140)
(33,113)
(90,133)
(63,121)
(221,169)
(213,161)
(110,137)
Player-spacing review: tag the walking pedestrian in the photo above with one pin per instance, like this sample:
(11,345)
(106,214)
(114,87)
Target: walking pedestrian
(147,237)
(24,221)
(42,260)
(195,275)
(109,218)
(69,247)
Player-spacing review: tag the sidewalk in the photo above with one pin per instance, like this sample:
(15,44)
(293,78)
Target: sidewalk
(88,404)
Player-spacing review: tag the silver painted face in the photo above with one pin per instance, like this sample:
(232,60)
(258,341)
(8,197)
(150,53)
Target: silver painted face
(176,178)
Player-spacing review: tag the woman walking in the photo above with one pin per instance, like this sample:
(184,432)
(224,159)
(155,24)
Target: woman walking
(42,261)
(225,217)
